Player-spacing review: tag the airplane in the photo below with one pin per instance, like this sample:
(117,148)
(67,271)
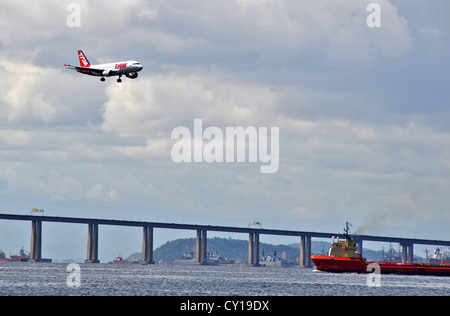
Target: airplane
(128,68)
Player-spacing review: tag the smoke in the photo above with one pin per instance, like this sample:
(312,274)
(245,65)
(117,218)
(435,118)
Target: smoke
(401,209)
(371,226)
(375,221)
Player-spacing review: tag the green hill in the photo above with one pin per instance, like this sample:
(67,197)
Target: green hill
(230,248)
(237,249)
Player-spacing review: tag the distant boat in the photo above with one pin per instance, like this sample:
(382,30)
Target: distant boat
(441,255)
(216,259)
(21,256)
(3,257)
(120,260)
(254,224)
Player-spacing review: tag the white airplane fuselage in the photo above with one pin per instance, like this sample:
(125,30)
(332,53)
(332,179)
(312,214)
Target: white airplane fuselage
(114,69)
(129,68)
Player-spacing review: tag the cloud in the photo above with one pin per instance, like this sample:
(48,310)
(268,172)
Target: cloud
(31,94)
(367,159)
(358,132)
(393,38)
(156,104)
(33,22)
(274,30)
(266,30)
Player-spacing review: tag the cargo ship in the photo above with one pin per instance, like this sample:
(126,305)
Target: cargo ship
(343,256)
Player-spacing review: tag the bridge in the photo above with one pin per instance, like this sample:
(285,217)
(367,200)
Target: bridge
(407,244)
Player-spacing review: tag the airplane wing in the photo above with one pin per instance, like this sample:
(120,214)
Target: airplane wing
(86,69)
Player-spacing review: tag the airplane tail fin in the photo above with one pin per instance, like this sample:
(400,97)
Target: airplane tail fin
(84,62)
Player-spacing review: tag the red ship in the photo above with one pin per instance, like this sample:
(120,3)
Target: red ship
(344,257)
(120,260)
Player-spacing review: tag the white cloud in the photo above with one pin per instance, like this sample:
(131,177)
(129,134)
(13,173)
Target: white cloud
(316,153)
(28,21)
(31,94)
(156,104)
(304,66)
(79,164)
(276,30)
(393,38)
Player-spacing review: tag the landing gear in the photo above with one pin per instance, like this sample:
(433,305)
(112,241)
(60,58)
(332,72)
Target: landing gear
(102,79)
(119,80)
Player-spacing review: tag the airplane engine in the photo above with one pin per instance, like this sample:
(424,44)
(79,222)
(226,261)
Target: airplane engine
(132,75)
(107,73)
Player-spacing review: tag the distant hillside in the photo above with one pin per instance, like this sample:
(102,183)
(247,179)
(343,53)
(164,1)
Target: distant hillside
(238,249)
(228,248)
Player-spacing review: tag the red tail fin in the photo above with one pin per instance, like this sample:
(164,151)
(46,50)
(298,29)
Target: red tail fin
(84,62)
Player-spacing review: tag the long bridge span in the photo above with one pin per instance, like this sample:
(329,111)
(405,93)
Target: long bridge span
(407,244)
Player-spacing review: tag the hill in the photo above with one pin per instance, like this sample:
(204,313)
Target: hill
(238,249)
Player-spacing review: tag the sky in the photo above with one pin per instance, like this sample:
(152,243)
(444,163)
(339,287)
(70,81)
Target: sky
(362,114)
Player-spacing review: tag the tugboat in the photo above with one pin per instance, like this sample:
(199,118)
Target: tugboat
(343,256)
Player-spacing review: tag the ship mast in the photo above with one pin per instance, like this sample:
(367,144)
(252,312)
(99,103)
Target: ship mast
(347,229)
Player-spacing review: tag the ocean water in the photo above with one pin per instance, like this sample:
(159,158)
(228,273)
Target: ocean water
(53,279)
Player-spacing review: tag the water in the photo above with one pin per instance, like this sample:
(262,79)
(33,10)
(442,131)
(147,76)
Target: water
(125,280)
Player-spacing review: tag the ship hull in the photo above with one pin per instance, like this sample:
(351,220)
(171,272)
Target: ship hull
(124,262)
(16,258)
(339,264)
(359,265)
(414,268)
